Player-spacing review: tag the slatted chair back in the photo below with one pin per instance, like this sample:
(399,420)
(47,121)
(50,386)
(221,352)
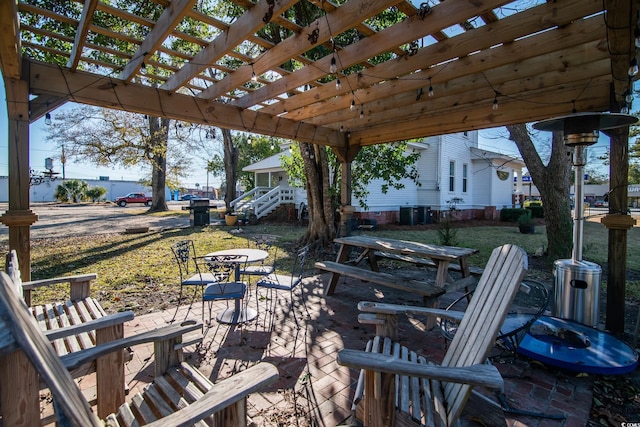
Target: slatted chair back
(481,323)
(67,396)
(13,271)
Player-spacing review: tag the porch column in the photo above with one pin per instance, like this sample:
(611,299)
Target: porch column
(345,154)
(617,221)
(19,217)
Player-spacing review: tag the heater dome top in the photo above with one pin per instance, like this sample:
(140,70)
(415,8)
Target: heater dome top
(585,122)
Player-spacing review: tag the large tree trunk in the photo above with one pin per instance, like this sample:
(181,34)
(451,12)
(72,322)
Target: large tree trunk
(159,131)
(230,168)
(321,230)
(554,183)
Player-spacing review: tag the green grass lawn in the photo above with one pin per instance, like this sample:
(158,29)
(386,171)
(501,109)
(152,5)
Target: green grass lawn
(137,271)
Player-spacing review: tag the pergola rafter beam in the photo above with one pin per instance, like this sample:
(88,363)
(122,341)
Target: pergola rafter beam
(328,25)
(247,24)
(442,16)
(458,47)
(81,34)
(490,68)
(117,94)
(468,118)
(10,55)
(171,16)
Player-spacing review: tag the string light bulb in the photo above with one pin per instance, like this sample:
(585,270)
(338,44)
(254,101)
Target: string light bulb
(633,67)
(628,96)
(495,102)
(47,119)
(338,84)
(624,109)
(333,67)
(254,78)
(143,69)
(431,92)
(636,35)
(353,105)
(362,113)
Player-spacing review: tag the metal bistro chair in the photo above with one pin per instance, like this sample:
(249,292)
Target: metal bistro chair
(529,304)
(265,242)
(227,285)
(286,282)
(190,274)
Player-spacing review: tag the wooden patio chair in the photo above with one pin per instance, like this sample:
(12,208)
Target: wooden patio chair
(397,385)
(76,324)
(179,396)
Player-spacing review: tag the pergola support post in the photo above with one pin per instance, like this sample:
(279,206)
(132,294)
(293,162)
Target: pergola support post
(617,221)
(345,155)
(19,217)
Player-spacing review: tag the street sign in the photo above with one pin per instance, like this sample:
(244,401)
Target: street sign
(525,178)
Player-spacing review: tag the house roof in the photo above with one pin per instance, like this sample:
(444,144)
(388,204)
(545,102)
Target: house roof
(482,154)
(270,163)
(535,59)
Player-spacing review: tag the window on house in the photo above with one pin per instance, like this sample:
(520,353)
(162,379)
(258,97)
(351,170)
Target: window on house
(464,178)
(452,175)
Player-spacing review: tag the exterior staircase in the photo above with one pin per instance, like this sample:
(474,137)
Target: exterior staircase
(261,201)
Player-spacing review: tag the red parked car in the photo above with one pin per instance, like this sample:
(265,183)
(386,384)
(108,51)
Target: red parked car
(133,198)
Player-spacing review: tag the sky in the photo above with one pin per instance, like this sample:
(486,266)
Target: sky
(40,149)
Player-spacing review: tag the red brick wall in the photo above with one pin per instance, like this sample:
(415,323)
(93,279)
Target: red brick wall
(393,217)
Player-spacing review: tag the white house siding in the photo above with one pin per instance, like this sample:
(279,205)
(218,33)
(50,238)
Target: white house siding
(482,188)
(501,190)
(489,190)
(427,192)
(391,201)
(45,192)
(455,147)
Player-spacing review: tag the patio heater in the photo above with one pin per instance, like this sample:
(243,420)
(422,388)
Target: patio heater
(569,338)
(577,282)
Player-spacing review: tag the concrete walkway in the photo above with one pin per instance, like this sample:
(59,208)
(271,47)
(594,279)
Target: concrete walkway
(313,390)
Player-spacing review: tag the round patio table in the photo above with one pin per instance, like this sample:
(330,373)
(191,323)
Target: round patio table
(239,314)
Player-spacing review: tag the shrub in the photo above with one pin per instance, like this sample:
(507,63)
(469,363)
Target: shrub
(536,211)
(512,215)
(525,219)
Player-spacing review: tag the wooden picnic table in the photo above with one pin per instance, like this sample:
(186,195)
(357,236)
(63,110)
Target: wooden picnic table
(374,248)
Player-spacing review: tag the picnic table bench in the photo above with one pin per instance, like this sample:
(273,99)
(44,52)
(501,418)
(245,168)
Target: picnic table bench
(374,248)
(428,290)
(425,262)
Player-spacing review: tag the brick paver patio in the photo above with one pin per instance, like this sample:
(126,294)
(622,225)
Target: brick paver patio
(313,390)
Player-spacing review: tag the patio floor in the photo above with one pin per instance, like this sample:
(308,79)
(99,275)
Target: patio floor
(313,390)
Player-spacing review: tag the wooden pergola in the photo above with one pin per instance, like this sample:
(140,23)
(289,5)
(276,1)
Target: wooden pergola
(441,69)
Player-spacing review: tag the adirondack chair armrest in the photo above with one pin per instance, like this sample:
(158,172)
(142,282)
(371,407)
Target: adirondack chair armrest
(91,325)
(222,395)
(466,283)
(395,309)
(78,358)
(476,375)
(34,284)
(79,286)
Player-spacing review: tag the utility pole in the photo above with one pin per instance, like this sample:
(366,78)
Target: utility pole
(63,160)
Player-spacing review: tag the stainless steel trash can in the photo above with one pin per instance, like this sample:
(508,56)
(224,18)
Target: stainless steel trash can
(577,287)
